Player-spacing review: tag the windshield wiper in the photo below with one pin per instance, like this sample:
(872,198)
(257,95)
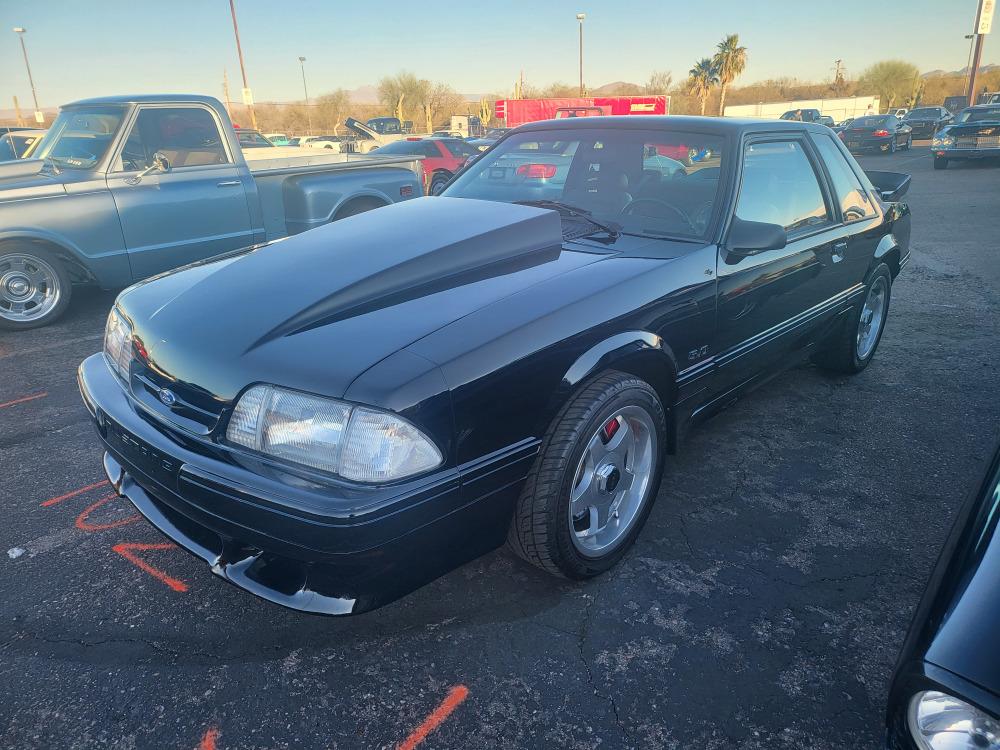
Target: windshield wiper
(659,234)
(613,229)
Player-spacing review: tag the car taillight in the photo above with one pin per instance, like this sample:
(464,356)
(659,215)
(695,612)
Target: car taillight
(536,171)
(880,133)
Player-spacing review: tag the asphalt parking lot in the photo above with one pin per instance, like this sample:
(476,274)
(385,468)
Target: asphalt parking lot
(762,607)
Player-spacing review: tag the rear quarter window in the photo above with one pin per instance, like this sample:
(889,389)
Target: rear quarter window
(855,204)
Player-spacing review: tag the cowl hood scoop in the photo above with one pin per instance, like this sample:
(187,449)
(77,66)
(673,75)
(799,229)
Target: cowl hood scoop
(419,247)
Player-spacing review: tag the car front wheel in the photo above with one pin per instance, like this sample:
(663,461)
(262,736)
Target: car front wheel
(940,162)
(34,288)
(853,347)
(595,479)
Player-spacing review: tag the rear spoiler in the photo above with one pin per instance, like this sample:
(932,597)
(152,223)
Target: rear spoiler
(891,186)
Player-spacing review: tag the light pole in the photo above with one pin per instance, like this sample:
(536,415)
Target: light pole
(20,31)
(247,93)
(580,17)
(309,114)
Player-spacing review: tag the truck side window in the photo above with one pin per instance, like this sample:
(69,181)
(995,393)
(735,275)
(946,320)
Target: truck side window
(854,202)
(780,187)
(187,136)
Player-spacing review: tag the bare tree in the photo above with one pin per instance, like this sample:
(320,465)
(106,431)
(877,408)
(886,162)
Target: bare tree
(659,82)
(332,109)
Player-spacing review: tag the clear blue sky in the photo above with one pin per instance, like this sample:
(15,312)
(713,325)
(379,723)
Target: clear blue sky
(80,49)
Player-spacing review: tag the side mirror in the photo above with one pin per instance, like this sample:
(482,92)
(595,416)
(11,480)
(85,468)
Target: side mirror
(753,237)
(160,164)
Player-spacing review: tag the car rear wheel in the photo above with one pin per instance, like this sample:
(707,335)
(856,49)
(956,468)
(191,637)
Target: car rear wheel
(437,183)
(595,479)
(909,142)
(34,288)
(853,347)
(940,162)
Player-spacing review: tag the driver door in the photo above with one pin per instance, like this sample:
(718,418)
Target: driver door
(194,210)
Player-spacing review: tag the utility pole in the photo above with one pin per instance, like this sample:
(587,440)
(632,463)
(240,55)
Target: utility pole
(247,93)
(17,113)
(225,93)
(580,17)
(20,31)
(309,114)
(984,23)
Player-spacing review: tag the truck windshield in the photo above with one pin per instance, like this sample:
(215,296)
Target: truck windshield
(649,182)
(990,114)
(81,136)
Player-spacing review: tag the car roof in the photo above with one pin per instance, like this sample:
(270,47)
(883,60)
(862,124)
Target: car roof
(712,125)
(146,98)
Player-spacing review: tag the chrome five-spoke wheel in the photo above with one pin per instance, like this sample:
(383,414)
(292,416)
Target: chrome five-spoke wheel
(872,315)
(30,288)
(611,481)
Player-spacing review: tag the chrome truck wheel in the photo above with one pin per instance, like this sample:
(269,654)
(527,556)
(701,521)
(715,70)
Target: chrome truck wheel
(34,289)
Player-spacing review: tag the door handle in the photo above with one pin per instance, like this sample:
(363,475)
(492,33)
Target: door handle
(228,183)
(837,253)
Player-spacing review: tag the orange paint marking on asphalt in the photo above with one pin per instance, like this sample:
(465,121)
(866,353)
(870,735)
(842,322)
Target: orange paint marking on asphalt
(125,549)
(208,740)
(24,399)
(73,493)
(454,698)
(84,525)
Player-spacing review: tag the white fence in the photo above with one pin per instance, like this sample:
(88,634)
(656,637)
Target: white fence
(839,109)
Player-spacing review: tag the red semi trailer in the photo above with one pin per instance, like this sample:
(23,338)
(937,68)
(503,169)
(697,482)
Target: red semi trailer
(514,112)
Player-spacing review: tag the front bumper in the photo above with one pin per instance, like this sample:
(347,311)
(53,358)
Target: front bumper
(967,153)
(316,549)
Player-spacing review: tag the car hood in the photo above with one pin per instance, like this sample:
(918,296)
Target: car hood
(316,310)
(983,127)
(28,178)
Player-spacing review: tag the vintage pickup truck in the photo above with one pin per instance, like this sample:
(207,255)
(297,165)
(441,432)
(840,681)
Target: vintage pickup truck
(123,188)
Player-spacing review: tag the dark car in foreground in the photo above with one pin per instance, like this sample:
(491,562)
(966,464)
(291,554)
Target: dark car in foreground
(924,122)
(974,134)
(509,361)
(884,133)
(945,693)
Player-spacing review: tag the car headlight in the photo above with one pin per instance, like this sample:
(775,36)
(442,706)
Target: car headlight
(355,442)
(942,140)
(118,343)
(939,721)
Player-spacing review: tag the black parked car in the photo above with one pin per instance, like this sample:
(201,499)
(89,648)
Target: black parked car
(924,122)
(509,361)
(974,134)
(945,694)
(885,133)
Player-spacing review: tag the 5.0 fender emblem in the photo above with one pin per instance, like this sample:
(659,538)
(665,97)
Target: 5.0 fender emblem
(698,353)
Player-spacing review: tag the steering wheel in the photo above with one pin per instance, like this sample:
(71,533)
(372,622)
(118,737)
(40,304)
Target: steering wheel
(628,210)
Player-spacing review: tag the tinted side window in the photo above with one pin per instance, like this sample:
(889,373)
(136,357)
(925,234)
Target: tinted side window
(854,202)
(187,136)
(460,148)
(779,186)
(428,148)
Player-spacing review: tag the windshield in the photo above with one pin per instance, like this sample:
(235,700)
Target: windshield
(923,113)
(650,182)
(979,115)
(869,122)
(80,137)
(252,139)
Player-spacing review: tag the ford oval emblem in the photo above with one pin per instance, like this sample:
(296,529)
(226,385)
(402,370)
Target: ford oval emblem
(167,397)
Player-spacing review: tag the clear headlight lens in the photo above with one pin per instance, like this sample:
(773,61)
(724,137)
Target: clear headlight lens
(118,343)
(361,444)
(939,721)
(942,140)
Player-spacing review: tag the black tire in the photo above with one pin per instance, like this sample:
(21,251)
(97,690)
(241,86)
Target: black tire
(358,206)
(940,162)
(841,353)
(909,142)
(540,530)
(62,279)
(438,182)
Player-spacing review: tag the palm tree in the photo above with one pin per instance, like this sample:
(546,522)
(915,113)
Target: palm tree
(703,78)
(729,61)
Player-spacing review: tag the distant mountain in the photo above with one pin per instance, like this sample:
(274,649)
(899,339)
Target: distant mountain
(963,72)
(614,87)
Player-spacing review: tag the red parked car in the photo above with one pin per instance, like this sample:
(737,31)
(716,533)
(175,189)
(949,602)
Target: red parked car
(443,157)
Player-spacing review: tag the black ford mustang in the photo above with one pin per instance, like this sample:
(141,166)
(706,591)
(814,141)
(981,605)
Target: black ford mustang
(333,420)
(945,694)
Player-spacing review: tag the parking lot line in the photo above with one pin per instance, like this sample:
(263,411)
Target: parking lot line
(23,399)
(73,493)
(454,698)
(126,550)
